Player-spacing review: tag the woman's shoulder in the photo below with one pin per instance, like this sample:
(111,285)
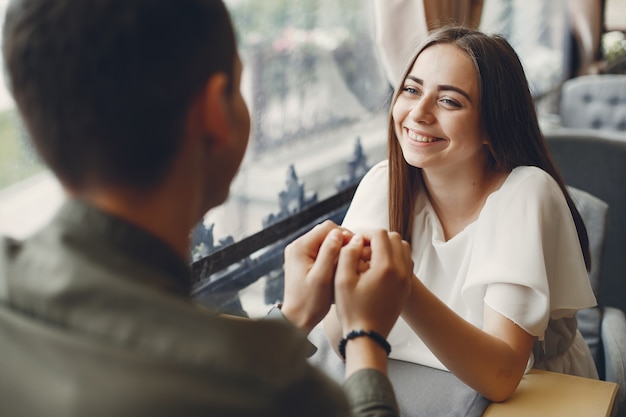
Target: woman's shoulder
(380,168)
(530,180)
(526,187)
(530,175)
(378,175)
(368,208)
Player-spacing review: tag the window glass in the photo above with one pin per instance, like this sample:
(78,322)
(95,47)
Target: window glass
(318,100)
(315,90)
(313,86)
(20,169)
(17,159)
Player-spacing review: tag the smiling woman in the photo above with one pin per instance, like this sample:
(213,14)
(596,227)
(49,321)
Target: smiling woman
(493,230)
(441,87)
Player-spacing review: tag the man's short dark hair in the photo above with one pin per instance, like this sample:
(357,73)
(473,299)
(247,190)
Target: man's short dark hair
(104,86)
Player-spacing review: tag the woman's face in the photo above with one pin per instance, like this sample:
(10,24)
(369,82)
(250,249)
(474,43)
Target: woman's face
(436,116)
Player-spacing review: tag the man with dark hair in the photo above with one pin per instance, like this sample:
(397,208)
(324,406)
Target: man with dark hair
(135,105)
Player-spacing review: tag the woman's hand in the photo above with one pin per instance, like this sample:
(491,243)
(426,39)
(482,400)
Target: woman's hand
(371,287)
(372,284)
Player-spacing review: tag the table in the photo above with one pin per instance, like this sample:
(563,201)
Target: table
(550,394)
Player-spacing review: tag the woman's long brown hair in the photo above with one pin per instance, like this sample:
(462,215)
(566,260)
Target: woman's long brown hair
(508,115)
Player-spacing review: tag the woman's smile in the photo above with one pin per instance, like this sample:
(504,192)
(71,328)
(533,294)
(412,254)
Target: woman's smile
(421,138)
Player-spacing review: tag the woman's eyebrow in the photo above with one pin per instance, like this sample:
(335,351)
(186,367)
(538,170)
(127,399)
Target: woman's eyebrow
(443,87)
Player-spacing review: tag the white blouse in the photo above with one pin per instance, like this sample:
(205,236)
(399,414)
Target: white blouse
(521,257)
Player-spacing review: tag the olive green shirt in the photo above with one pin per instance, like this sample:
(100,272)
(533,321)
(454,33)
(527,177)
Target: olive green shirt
(96,320)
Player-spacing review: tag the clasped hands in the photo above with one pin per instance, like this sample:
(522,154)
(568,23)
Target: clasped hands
(367,276)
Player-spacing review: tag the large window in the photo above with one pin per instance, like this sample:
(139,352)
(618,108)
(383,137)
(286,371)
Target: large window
(314,88)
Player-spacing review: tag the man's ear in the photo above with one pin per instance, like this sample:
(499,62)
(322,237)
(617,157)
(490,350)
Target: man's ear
(213,108)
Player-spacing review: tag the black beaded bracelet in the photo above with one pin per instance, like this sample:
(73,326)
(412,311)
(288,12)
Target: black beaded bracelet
(358,333)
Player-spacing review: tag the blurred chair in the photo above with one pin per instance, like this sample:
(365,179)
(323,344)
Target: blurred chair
(594,102)
(595,161)
(603,327)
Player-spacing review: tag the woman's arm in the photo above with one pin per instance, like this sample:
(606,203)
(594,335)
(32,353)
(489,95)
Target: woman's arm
(492,360)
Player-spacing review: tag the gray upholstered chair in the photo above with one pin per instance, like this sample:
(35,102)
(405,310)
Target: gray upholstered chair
(595,161)
(594,102)
(603,327)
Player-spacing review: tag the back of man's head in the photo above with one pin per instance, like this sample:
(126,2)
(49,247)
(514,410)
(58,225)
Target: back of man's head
(104,86)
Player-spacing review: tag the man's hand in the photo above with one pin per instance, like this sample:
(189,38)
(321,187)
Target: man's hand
(310,263)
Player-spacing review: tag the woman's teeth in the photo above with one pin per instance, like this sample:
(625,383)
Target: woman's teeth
(419,138)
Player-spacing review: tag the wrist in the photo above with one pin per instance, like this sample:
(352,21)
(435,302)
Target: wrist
(375,337)
(295,316)
(364,353)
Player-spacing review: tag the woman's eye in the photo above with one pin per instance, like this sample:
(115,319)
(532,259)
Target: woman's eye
(449,102)
(410,90)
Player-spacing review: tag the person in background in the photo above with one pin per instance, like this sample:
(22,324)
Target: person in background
(135,106)
(501,253)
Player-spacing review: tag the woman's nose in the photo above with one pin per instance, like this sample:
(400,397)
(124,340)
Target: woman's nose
(422,110)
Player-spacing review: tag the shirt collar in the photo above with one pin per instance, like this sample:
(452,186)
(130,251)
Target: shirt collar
(102,231)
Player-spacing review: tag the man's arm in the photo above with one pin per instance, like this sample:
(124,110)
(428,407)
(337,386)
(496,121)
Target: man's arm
(363,273)
(310,263)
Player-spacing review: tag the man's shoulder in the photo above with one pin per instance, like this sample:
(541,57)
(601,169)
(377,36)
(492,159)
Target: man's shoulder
(150,344)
